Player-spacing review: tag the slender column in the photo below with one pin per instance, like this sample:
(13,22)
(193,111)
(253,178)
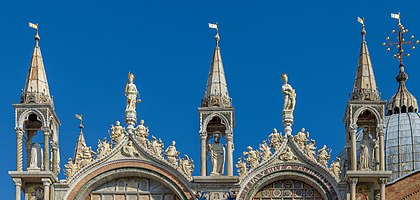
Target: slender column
(19,151)
(382,184)
(203,157)
(380,131)
(47,184)
(46,132)
(353,129)
(18,186)
(54,158)
(229,152)
(353,183)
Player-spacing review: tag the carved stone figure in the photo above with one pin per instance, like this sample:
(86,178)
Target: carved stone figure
(172,154)
(301,139)
(310,149)
(275,140)
(70,169)
(323,156)
(104,147)
(242,169)
(253,158)
(86,157)
(289,94)
(335,167)
(129,150)
(360,195)
(36,157)
(131,93)
(217,156)
(366,146)
(287,155)
(141,133)
(187,166)
(265,151)
(156,147)
(117,133)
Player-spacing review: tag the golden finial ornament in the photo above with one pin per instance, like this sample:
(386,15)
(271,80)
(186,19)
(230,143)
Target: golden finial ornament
(80,117)
(401,41)
(35,26)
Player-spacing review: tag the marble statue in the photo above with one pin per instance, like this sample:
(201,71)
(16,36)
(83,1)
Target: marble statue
(86,156)
(131,93)
(289,94)
(323,156)
(129,150)
(310,149)
(217,156)
(301,139)
(36,157)
(265,151)
(187,166)
(287,155)
(253,158)
(172,154)
(117,133)
(70,168)
(275,140)
(156,147)
(104,147)
(335,167)
(241,168)
(141,133)
(366,146)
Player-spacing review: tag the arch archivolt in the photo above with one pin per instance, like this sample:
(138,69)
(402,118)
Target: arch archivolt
(83,186)
(289,171)
(370,109)
(24,116)
(216,114)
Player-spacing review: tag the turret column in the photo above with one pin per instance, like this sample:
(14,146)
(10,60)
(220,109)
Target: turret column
(353,130)
(54,158)
(18,186)
(353,183)
(203,156)
(382,184)
(380,131)
(46,132)
(19,151)
(229,151)
(47,183)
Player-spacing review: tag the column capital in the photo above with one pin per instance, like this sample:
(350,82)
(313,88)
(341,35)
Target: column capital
(380,129)
(203,134)
(46,181)
(19,130)
(353,181)
(353,128)
(17,181)
(382,181)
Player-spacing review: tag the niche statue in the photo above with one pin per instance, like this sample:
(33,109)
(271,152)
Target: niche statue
(217,156)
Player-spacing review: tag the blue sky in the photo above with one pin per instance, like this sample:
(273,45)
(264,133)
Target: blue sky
(88,48)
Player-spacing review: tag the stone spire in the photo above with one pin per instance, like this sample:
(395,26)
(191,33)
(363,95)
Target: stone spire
(36,88)
(364,84)
(81,144)
(216,94)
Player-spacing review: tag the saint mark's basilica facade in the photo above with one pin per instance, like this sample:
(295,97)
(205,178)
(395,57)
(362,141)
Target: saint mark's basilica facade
(381,155)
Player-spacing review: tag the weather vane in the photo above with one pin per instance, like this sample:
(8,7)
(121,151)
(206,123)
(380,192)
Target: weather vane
(401,41)
(361,20)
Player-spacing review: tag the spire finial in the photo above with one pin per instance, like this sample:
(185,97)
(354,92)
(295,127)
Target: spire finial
(35,26)
(361,20)
(216,37)
(80,117)
(399,44)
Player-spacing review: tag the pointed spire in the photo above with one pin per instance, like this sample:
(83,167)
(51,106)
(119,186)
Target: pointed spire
(81,144)
(364,85)
(216,94)
(36,88)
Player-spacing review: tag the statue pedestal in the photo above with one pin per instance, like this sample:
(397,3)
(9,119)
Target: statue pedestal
(130,120)
(287,122)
